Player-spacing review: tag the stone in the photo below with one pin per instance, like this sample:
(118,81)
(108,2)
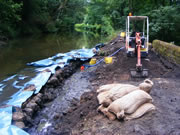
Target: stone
(30,88)
(37,100)
(53,80)
(39,95)
(32,105)
(20,124)
(29,111)
(18,116)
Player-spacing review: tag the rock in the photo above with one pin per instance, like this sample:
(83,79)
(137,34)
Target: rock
(37,100)
(33,106)
(49,96)
(54,81)
(28,120)
(39,95)
(30,88)
(46,70)
(58,73)
(29,111)
(18,116)
(20,124)
(56,116)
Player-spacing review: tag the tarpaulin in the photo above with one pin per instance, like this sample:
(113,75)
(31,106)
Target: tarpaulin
(5,117)
(19,97)
(2,86)
(44,63)
(12,130)
(40,80)
(82,54)
(9,78)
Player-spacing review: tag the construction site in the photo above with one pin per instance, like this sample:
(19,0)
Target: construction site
(85,96)
(75,111)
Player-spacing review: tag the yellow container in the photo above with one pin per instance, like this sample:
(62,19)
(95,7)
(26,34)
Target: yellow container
(92,61)
(123,34)
(108,60)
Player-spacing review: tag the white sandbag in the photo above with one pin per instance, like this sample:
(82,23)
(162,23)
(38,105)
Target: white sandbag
(106,113)
(103,96)
(129,103)
(143,109)
(116,93)
(108,87)
(146,85)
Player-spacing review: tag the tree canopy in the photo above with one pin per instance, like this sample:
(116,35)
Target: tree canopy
(23,17)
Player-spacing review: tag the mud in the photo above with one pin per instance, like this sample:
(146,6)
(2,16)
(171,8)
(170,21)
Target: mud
(74,110)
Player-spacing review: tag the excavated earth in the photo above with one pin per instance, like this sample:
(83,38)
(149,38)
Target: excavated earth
(73,110)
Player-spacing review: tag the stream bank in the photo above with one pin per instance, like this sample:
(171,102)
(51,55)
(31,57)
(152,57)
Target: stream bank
(80,115)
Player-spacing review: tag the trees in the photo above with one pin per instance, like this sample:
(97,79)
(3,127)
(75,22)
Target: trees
(94,16)
(110,15)
(10,14)
(164,24)
(34,16)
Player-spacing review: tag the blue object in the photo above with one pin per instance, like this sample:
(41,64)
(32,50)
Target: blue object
(20,97)
(5,117)
(9,78)
(2,87)
(42,63)
(99,45)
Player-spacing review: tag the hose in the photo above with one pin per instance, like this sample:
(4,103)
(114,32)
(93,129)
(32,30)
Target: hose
(101,60)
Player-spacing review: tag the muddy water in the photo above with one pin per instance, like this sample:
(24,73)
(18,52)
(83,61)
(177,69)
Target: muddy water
(15,55)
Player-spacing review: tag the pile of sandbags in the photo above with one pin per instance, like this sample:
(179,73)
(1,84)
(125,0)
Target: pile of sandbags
(125,101)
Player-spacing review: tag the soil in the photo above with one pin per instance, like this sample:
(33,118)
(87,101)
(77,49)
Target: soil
(74,110)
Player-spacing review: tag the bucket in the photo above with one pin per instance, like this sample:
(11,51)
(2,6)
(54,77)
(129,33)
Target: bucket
(92,61)
(123,34)
(108,60)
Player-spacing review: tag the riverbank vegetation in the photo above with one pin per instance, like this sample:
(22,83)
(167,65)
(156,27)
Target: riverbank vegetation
(27,17)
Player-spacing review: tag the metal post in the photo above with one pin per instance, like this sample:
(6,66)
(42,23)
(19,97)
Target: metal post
(147,32)
(143,27)
(128,32)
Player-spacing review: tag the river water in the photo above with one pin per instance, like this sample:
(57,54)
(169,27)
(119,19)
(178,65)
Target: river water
(16,54)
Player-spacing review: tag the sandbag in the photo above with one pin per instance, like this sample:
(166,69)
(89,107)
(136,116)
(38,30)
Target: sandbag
(106,113)
(129,103)
(143,109)
(108,87)
(103,96)
(146,85)
(116,93)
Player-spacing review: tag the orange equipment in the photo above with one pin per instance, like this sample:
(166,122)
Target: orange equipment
(137,42)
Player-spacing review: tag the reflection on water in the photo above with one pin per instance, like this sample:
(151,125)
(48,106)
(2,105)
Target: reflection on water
(15,55)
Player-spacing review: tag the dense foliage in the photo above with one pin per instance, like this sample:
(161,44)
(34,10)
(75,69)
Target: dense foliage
(10,16)
(92,16)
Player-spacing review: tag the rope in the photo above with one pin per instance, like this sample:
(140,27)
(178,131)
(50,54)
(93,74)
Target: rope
(101,60)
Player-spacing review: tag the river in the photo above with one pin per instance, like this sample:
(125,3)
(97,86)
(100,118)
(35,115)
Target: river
(17,53)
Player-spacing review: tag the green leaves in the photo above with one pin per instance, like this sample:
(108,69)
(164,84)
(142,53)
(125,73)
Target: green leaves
(10,16)
(164,23)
